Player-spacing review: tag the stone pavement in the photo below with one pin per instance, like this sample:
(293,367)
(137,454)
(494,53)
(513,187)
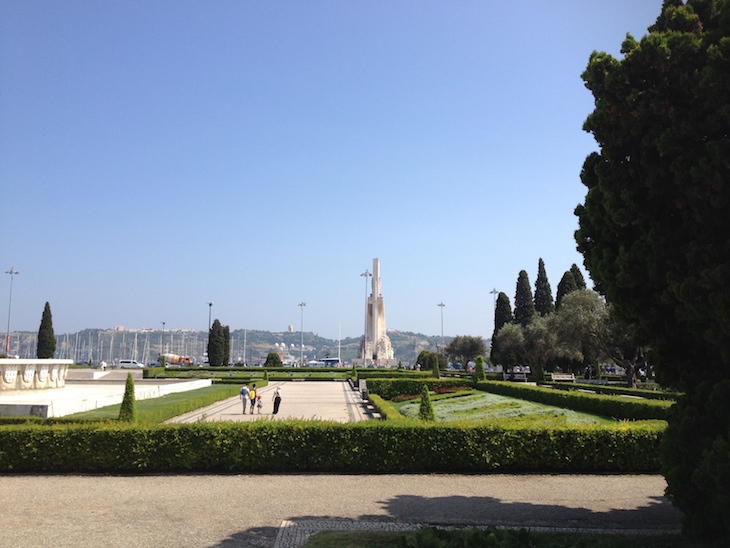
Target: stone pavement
(282,511)
(326,400)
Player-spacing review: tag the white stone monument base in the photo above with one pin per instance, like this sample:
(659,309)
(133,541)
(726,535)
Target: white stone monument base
(32,374)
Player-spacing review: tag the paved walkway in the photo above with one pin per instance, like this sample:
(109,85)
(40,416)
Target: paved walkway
(283,510)
(325,400)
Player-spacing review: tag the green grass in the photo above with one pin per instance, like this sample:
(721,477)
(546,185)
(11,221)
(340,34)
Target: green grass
(154,404)
(473,405)
(492,537)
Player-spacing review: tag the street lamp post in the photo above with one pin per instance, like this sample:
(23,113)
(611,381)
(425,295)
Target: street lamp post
(301,331)
(162,341)
(494,294)
(366,274)
(12,273)
(210,313)
(441,306)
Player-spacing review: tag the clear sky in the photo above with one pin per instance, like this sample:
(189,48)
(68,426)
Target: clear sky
(156,156)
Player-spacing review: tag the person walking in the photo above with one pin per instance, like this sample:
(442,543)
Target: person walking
(259,404)
(245,396)
(277,400)
(252,395)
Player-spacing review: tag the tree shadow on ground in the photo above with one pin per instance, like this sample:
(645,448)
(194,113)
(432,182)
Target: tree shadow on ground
(657,517)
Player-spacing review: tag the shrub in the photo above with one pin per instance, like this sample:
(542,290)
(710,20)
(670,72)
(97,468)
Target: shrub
(128,410)
(426,412)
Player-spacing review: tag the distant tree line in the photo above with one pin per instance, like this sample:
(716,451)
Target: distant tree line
(573,333)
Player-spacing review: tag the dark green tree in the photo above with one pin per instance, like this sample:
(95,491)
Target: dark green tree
(580,281)
(543,292)
(273,360)
(502,317)
(567,284)
(46,345)
(654,232)
(128,409)
(226,345)
(524,305)
(217,342)
(464,349)
(425,411)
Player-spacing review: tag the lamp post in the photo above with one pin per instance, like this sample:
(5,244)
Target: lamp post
(441,306)
(301,331)
(12,273)
(210,312)
(494,294)
(366,274)
(162,341)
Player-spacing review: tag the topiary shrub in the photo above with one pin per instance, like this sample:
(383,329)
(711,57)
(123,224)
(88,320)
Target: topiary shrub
(426,412)
(479,373)
(128,410)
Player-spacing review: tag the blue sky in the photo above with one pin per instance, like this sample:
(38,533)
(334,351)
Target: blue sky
(155,156)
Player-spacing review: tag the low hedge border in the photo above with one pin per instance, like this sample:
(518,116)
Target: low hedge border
(315,446)
(618,407)
(615,390)
(389,388)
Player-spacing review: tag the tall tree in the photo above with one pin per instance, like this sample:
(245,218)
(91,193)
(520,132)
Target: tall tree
(580,281)
(217,344)
(567,285)
(273,360)
(46,345)
(464,349)
(654,231)
(543,293)
(502,317)
(524,305)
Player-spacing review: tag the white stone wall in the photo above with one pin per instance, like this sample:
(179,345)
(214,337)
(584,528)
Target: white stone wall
(32,374)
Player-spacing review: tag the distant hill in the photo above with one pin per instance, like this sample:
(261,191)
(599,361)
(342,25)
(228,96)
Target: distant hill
(111,345)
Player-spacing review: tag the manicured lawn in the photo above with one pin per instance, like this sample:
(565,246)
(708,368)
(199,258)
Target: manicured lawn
(153,404)
(475,405)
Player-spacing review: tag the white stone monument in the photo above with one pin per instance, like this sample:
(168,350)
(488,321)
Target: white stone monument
(35,374)
(377,349)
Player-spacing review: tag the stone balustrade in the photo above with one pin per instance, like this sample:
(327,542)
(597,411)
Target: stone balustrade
(32,374)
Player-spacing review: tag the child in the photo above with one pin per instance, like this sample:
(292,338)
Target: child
(259,404)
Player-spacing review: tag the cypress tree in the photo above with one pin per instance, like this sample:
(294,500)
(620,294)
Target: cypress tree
(128,410)
(216,344)
(580,281)
(524,305)
(46,346)
(425,411)
(567,285)
(502,316)
(543,293)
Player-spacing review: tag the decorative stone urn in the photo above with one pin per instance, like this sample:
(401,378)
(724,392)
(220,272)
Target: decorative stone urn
(32,374)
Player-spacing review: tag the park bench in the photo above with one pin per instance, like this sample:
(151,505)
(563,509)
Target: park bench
(515,376)
(562,377)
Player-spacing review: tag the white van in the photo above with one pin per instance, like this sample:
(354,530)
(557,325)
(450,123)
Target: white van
(130,364)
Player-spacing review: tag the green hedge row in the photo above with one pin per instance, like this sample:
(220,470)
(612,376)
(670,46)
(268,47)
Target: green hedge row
(616,390)
(314,446)
(618,407)
(389,388)
(387,410)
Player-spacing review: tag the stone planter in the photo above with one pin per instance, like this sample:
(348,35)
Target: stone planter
(33,374)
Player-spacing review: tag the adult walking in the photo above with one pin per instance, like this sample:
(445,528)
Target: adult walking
(277,399)
(252,394)
(245,396)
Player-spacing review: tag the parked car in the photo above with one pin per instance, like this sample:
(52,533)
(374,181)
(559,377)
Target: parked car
(130,364)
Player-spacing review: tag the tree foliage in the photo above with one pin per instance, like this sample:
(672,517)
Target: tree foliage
(524,305)
(543,292)
(567,284)
(464,349)
(479,373)
(273,360)
(654,230)
(580,281)
(46,346)
(218,344)
(502,317)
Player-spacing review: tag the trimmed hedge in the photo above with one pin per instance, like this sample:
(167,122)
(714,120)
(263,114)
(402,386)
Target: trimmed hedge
(389,388)
(615,390)
(618,407)
(315,446)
